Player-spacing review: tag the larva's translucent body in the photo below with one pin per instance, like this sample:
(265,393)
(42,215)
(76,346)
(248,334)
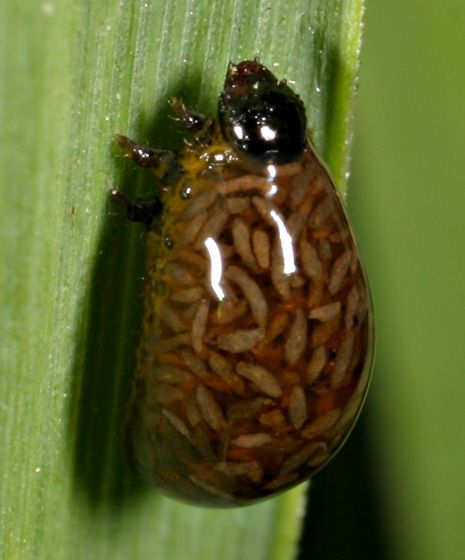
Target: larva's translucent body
(256,346)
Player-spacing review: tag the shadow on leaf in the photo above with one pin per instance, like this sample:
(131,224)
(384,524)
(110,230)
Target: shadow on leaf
(108,337)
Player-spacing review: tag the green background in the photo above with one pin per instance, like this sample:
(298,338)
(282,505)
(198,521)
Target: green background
(407,200)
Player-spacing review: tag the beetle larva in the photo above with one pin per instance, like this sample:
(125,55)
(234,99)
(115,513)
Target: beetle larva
(257,336)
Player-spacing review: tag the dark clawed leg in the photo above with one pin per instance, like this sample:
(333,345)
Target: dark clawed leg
(144,211)
(144,155)
(191,121)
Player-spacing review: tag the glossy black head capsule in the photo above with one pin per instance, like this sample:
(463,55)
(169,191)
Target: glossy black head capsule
(260,116)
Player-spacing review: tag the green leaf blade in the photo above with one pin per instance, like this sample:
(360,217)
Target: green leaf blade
(71,271)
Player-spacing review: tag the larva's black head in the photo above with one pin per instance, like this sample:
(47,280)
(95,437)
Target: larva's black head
(261,117)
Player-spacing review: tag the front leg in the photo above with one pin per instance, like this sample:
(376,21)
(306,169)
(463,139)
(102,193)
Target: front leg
(145,156)
(190,120)
(164,163)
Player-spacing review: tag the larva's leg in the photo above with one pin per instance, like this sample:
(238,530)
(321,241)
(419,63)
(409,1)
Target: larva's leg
(190,120)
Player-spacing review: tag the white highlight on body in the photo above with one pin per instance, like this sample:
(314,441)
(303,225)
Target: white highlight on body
(285,239)
(216,267)
(272,172)
(267,133)
(238,131)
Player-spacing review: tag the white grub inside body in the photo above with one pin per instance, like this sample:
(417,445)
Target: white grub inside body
(254,357)
(261,247)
